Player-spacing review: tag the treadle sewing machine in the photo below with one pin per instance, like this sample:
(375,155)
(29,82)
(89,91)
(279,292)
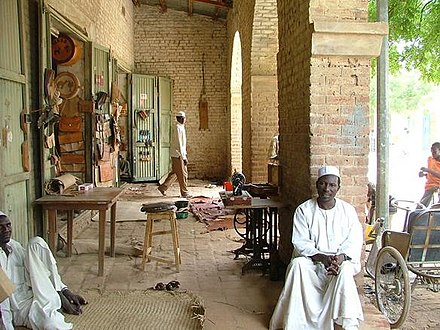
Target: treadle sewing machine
(260,222)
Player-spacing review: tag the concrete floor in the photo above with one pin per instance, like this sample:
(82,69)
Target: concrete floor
(208,269)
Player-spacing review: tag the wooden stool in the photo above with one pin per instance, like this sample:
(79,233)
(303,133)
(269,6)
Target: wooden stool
(149,233)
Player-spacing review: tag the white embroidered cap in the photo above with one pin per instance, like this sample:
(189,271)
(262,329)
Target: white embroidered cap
(181,114)
(327,170)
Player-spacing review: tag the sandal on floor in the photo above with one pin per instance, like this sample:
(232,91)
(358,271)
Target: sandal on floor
(159,286)
(173,285)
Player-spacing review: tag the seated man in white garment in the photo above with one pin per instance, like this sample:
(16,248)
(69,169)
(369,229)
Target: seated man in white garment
(40,294)
(319,289)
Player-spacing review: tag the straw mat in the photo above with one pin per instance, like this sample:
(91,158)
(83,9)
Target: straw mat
(135,310)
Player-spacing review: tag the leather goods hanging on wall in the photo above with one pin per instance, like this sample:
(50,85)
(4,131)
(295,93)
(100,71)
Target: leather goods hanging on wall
(65,50)
(67,84)
(70,124)
(203,102)
(70,138)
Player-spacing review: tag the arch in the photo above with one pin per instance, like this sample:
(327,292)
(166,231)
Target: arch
(236,104)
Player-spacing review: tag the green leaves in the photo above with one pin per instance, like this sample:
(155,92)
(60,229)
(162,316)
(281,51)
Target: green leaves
(414,36)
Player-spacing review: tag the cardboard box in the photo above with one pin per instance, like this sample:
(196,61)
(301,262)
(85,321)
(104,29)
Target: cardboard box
(6,286)
(85,187)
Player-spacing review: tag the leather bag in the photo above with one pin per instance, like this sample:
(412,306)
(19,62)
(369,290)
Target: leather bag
(70,124)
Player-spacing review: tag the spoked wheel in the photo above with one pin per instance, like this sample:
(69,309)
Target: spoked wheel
(393,292)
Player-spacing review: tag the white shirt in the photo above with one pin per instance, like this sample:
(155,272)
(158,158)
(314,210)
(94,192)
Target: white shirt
(14,268)
(333,231)
(178,142)
(35,301)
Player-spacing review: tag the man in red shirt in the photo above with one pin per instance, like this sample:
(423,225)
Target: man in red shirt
(432,173)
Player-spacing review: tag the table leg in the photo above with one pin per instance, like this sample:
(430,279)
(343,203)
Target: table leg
(52,230)
(69,232)
(112,229)
(101,244)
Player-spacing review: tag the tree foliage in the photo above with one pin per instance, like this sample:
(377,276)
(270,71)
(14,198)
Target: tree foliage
(414,36)
(408,93)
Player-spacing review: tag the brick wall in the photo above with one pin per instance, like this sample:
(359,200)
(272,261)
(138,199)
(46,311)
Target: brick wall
(294,106)
(264,123)
(108,23)
(171,45)
(340,123)
(264,113)
(323,108)
(265,38)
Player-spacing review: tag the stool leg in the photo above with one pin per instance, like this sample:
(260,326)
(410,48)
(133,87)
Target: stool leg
(147,241)
(175,235)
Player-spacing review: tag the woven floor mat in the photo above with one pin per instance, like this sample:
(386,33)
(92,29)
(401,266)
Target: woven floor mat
(134,310)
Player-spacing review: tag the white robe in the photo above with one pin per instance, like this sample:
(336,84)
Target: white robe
(311,299)
(35,301)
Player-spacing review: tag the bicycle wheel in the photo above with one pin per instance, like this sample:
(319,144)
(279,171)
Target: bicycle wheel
(393,292)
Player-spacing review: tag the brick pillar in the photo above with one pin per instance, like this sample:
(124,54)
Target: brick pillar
(324,76)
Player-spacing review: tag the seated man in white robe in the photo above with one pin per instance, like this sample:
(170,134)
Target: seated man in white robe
(40,294)
(319,288)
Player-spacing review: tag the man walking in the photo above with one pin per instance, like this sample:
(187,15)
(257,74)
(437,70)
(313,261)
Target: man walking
(179,158)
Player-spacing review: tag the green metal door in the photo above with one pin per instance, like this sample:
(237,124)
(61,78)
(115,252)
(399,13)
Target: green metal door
(165,113)
(144,124)
(14,138)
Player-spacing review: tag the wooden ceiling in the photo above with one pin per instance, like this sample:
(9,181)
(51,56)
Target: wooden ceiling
(216,9)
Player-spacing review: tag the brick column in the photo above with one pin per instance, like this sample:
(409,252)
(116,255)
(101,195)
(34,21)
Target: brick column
(324,98)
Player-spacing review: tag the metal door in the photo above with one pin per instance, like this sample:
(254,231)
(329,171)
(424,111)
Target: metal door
(144,128)
(101,82)
(165,111)
(14,138)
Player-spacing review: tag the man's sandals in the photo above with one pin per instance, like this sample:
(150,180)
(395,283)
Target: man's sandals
(171,286)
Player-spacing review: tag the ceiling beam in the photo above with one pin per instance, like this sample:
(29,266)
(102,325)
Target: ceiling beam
(219,3)
(190,7)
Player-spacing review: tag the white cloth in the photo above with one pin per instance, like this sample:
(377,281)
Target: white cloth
(35,302)
(178,142)
(311,299)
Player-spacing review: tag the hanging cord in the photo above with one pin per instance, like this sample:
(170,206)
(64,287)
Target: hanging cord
(203,73)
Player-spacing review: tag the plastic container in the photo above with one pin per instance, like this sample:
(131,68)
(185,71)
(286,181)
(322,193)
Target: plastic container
(181,204)
(182,215)
(227,185)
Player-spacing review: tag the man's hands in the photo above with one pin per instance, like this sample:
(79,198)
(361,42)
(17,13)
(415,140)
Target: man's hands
(70,302)
(330,262)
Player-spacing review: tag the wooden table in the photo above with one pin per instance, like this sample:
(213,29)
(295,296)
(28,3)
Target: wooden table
(261,225)
(99,198)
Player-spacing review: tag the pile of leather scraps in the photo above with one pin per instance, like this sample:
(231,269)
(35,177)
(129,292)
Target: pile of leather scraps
(212,212)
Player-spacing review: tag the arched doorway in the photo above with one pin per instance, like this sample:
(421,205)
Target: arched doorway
(236,108)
